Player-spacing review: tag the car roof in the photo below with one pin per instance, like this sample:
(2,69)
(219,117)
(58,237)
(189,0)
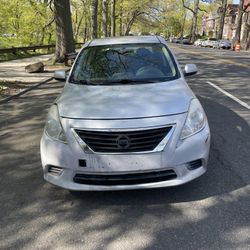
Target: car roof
(125,40)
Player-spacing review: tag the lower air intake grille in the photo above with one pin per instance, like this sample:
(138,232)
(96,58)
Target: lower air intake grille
(194,164)
(55,170)
(123,141)
(125,179)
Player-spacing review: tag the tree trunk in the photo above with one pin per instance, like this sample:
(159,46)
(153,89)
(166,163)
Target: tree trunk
(49,38)
(194,22)
(120,17)
(183,24)
(246,32)
(78,25)
(195,11)
(75,22)
(44,29)
(222,19)
(105,18)
(113,17)
(94,16)
(131,22)
(239,24)
(85,31)
(64,32)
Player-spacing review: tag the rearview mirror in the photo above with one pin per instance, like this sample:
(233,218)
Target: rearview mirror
(190,69)
(60,75)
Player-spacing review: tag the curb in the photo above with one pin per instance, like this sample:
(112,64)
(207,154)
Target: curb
(25,91)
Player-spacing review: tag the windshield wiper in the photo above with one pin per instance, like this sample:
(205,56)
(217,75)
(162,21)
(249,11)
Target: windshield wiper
(131,81)
(83,82)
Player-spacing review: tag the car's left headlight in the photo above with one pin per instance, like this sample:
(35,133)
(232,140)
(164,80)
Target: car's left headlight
(53,127)
(195,121)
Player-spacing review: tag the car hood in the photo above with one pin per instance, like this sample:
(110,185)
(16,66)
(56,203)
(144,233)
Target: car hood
(124,101)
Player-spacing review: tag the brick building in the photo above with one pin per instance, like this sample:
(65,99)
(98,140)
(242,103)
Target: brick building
(210,24)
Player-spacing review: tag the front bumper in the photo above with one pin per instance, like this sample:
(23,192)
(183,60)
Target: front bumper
(175,156)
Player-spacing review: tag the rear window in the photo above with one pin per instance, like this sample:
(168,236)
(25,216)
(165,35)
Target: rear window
(117,64)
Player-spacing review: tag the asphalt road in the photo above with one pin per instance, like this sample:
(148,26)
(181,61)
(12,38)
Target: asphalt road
(212,212)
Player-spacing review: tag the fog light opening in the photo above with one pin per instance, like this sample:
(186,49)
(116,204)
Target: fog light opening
(54,170)
(192,165)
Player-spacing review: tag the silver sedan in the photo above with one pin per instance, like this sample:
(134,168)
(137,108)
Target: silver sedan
(126,119)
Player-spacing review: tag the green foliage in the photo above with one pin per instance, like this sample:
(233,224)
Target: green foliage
(23,22)
(175,24)
(30,22)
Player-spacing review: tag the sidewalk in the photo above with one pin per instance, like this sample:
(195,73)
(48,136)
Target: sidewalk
(14,71)
(14,81)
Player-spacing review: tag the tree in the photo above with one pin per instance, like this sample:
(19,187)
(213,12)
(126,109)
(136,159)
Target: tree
(105,4)
(246,28)
(120,17)
(175,25)
(26,22)
(195,10)
(236,38)
(94,18)
(130,21)
(64,32)
(173,18)
(195,16)
(183,24)
(133,10)
(78,14)
(113,17)
(222,13)
(81,19)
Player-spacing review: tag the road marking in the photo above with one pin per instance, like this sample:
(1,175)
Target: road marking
(229,95)
(213,57)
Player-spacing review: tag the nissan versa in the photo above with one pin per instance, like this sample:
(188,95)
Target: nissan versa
(126,119)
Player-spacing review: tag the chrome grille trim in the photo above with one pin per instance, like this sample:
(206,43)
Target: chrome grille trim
(159,147)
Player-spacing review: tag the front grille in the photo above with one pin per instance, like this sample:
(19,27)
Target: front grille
(125,179)
(123,141)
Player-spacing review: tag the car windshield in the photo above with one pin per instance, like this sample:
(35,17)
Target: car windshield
(124,64)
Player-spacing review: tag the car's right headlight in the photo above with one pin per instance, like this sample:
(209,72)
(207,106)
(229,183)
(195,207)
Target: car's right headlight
(195,121)
(53,127)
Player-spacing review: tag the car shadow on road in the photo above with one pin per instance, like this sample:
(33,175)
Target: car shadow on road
(207,213)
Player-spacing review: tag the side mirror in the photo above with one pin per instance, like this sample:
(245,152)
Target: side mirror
(60,75)
(190,69)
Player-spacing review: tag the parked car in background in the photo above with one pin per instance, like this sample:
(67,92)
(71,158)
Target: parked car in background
(170,39)
(225,44)
(203,43)
(176,40)
(186,41)
(222,44)
(216,45)
(198,42)
(209,42)
(126,119)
